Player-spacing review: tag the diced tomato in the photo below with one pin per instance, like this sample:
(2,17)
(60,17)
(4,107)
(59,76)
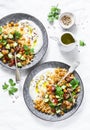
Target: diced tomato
(12,62)
(55,100)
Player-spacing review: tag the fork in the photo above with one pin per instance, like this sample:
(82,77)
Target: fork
(71,69)
(17,72)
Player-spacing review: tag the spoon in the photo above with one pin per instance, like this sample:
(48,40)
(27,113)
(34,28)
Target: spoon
(71,69)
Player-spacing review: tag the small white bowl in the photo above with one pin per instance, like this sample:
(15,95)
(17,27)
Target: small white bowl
(63,22)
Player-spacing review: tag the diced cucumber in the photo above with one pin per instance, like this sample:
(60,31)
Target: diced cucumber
(15,44)
(7,46)
(19,64)
(18,55)
(58,111)
(10,36)
(63,86)
(4,42)
(46,96)
(46,100)
(1,55)
(57,96)
(10,55)
(5,36)
(23,58)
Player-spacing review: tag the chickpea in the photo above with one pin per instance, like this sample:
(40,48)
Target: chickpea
(16,24)
(5,52)
(4,61)
(0,37)
(0,46)
(10,41)
(12,50)
(12,23)
(5,32)
(9,25)
(21,29)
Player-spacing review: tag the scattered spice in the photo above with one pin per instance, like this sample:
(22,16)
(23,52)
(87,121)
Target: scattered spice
(66,20)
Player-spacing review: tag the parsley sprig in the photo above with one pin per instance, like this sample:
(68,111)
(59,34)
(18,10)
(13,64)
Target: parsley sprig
(10,87)
(53,14)
(28,50)
(17,35)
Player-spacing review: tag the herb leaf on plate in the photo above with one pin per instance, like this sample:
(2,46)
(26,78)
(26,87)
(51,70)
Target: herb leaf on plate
(82,43)
(17,34)
(74,83)
(59,91)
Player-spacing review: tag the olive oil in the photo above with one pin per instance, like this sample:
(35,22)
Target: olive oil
(67,39)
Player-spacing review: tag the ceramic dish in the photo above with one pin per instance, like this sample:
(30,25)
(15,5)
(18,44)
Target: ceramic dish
(21,16)
(28,99)
(66,20)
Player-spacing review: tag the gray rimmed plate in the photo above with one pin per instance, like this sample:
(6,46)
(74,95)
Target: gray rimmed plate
(20,16)
(28,99)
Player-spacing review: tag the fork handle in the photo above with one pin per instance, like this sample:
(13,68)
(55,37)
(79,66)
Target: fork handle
(17,75)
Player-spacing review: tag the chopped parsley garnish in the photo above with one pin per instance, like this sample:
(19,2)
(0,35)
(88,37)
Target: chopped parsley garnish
(32,50)
(17,35)
(28,50)
(59,91)
(82,43)
(53,14)
(10,87)
(0,30)
(74,83)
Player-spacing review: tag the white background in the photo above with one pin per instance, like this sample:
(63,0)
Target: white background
(16,116)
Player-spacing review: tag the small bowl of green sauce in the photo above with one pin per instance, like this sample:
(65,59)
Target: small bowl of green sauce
(67,41)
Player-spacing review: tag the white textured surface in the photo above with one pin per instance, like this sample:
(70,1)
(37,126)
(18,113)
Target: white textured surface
(16,116)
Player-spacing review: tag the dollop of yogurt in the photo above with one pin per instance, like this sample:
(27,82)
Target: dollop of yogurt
(32,33)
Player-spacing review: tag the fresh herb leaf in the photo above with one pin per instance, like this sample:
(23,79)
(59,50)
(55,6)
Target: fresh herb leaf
(32,50)
(12,90)
(53,14)
(3,41)
(12,82)
(17,35)
(26,48)
(59,91)
(10,87)
(82,43)
(52,105)
(70,99)
(0,30)
(5,86)
(74,83)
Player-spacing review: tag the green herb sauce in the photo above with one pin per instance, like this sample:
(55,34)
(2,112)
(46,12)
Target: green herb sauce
(67,39)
